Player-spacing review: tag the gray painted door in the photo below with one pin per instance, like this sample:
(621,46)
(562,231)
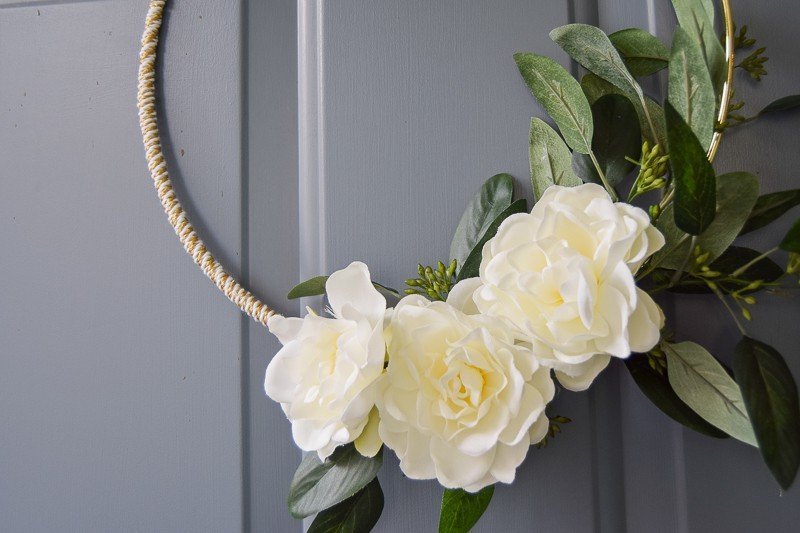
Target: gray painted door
(131,389)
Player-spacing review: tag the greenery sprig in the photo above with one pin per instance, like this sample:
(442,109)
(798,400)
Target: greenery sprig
(435,283)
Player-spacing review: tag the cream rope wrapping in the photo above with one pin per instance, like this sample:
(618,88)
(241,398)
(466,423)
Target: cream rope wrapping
(146,99)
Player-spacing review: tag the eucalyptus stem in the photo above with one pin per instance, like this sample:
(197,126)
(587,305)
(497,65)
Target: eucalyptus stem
(728,307)
(678,273)
(742,269)
(654,264)
(602,175)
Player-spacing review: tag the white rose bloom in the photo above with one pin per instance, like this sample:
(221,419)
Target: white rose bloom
(325,375)
(563,275)
(460,401)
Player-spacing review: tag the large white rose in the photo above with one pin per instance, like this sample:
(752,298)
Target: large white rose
(324,376)
(459,402)
(564,276)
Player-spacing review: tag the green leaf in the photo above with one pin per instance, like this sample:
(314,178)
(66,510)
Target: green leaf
(770,395)
(643,53)
(786,103)
(472,265)
(357,514)
(769,208)
(549,159)
(312,287)
(703,384)
(494,196)
(316,287)
(657,389)
(695,192)
(319,485)
(736,194)
(595,87)
(461,510)
(690,89)
(616,137)
(791,243)
(561,97)
(696,18)
(590,47)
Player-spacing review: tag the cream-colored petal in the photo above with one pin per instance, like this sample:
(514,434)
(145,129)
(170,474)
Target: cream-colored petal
(369,442)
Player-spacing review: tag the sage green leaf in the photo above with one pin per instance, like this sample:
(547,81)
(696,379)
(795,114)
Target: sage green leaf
(791,243)
(461,510)
(312,287)
(595,87)
(690,89)
(736,194)
(357,514)
(549,159)
(616,137)
(731,260)
(703,384)
(561,97)
(319,485)
(590,47)
(696,18)
(643,53)
(657,389)
(471,267)
(769,208)
(316,287)
(695,192)
(494,196)
(782,104)
(770,395)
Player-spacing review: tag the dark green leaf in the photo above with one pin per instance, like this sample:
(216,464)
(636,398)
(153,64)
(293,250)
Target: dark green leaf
(386,289)
(782,104)
(357,514)
(549,159)
(471,266)
(643,53)
(690,89)
(770,395)
(769,208)
(791,243)
(703,384)
(657,389)
(561,97)
(319,485)
(494,196)
(312,287)
(616,137)
(695,190)
(461,510)
(697,19)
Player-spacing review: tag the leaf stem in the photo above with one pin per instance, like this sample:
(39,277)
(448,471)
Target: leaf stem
(654,264)
(742,269)
(678,273)
(728,307)
(602,175)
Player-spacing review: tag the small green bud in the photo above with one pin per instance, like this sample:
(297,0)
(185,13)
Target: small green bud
(746,314)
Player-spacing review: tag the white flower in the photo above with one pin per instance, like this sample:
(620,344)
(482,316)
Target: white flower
(563,275)
(459,402)
(325,374)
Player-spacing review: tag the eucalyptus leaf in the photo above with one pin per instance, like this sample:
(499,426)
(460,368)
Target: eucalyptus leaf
(769,208)
(791,242)
(549,159)
(318,485)
(616,137)
(690,89)
(770,395)
(695,191)
(461,510)
(494,196)
(697,19)
(736,193)
(786,103)
(357,514)
(472,265)
(703,384)
(657,389)
(643,53)
(561,97)
(316,287)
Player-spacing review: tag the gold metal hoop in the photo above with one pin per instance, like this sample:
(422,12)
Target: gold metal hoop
(148,122)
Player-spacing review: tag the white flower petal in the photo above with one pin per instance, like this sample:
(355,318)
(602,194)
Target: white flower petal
(351,294)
